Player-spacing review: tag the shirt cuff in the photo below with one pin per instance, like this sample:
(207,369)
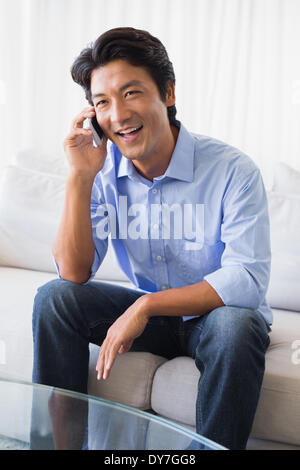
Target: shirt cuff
(235,286)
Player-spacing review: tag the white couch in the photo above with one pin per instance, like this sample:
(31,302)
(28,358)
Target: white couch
(31,198)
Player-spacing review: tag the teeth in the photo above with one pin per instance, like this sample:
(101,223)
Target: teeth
(129,130)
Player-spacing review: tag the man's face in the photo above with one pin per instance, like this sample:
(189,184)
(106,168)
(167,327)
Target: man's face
(130,110)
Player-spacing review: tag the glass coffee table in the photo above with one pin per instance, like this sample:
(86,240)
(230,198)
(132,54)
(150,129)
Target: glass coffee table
(37,417)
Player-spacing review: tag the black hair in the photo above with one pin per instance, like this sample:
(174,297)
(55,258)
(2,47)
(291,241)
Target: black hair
(137,47)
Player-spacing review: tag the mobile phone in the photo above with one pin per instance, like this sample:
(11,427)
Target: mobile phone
(97,131)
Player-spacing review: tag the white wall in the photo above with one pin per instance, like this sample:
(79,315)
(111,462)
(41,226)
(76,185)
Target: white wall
(236,63)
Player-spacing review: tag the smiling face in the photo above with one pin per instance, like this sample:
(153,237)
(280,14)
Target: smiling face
(131,113)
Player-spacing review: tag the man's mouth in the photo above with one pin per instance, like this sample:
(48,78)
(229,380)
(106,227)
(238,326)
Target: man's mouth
(130,133)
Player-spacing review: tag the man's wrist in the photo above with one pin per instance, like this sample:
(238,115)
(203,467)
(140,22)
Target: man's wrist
(195,299)
(147,305)
(81,177)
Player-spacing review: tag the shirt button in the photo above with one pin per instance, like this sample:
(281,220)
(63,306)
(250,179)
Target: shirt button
(159,258)
(155,226)
(154,191)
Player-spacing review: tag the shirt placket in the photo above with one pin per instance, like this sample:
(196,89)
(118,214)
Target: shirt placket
(156,241)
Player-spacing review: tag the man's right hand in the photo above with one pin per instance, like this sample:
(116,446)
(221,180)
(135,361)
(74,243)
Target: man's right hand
(83,157)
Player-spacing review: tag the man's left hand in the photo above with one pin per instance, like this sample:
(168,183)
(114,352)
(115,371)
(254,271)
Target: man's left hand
(121,334)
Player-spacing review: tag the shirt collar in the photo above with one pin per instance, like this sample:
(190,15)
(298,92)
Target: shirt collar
(181,166)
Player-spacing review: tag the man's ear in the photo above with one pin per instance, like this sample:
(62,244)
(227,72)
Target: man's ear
(170,96)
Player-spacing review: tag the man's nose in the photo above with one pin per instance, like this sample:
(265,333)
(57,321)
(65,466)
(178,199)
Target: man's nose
(119,113)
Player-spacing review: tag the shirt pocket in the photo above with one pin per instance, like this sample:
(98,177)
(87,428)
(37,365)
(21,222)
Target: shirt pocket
(196,259)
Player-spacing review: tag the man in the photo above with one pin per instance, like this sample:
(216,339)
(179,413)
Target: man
(189,225)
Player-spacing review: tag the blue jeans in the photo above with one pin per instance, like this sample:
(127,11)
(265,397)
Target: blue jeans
(228,346)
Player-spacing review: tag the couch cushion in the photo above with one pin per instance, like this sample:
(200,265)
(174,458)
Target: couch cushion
(278,413)
(174,390)
(30,206)
(283,291)
(130,380)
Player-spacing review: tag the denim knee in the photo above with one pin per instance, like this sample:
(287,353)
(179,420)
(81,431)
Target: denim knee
(43,297)
(60,336)
(53,298)
(46,294)
(233,330)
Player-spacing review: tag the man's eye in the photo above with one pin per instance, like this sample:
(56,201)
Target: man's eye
(101,102)
(132,92)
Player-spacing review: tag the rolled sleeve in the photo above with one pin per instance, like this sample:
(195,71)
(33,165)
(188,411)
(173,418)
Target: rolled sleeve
(94,268)
(244,275)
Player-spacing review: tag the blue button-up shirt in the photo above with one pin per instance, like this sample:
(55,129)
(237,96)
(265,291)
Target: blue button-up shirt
(206,218)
